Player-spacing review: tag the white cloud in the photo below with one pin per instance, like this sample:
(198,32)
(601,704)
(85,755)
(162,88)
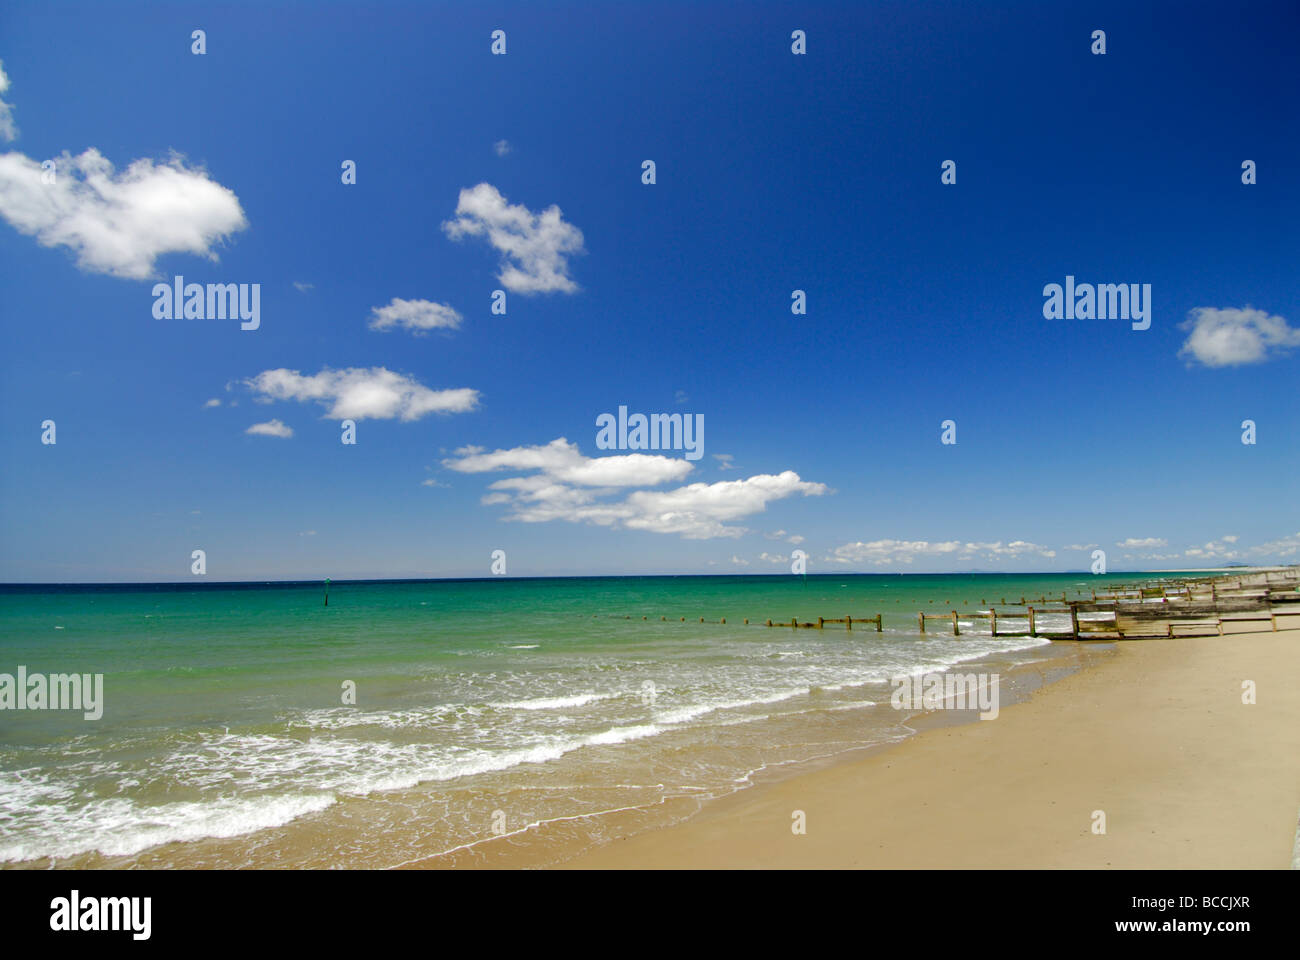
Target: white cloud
(418,316)
(1079,546)
(1142,543)
(118,223)
(534,247)
(303,287)
(7,128)
(895,552)
(700,510)
(569,486)
(1233,338)
(1285,547)
(502,147)
(680,397)
(272,428)
(358,393)
(560,460)
(214,402)
(739,562)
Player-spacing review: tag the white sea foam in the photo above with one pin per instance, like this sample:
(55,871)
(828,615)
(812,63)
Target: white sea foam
(554,703)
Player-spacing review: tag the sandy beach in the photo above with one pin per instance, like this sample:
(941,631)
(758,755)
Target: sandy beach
(1157,737)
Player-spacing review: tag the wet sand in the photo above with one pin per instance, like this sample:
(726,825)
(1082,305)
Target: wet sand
(1156,738)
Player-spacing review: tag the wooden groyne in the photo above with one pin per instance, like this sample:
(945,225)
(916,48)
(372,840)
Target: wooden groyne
(1142,611)
(1148,609)
(822,621)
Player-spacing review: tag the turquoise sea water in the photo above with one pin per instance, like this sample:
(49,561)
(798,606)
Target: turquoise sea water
(225,739)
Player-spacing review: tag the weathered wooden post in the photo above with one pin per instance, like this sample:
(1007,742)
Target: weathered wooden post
(821,623)
(848,622)
(993,621)
(879,629)
(1074,619)
(955,631)
(1032,632)
(769,621)
(920,618)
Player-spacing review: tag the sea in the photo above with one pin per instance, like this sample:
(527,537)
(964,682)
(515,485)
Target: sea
(461,722)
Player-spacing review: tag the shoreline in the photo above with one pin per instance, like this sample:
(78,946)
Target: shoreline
(1157,737)
(538,847)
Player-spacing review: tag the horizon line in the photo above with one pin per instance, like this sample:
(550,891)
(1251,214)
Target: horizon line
(1244,568)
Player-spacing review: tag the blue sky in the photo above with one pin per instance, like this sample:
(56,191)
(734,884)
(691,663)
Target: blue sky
(774,172)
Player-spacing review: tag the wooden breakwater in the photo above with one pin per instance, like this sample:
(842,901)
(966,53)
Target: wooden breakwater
(1145,609)
(1188,608)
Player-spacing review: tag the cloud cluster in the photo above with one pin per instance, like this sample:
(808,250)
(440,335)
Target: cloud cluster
(1221,549)
(418,316)
(570,486)
(894,552)
(561,460)
(1142,543)
(534,247)
(358,393)
(118,223)
(1233,338)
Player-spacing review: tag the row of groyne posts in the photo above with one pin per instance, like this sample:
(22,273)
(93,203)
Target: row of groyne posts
(1165,608)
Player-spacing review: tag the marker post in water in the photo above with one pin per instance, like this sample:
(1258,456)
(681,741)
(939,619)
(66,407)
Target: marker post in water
(327,591)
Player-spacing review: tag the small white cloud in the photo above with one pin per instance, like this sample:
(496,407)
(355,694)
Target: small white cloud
(680,397)
(739,562)
(1234,338)
(1079,546)
(359,393)
(7,128)
(214,402)
(303,287)
(418,316)
(502,147)
(1142,543)
(724,461)
(306,533)
(118,223)
(272,428)
(432,482)
(534,247)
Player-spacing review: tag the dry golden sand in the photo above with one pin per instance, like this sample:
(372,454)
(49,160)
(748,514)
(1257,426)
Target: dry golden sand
(1157,737)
